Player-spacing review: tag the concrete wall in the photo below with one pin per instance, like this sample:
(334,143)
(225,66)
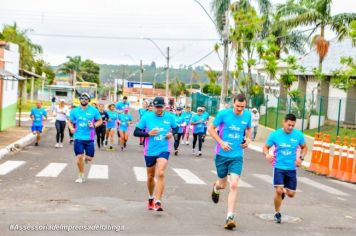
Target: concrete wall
(333,105)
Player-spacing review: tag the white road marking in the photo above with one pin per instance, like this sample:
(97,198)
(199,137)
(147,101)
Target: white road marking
(347,185)
(98,172)
(241,184)
(188,176)
(24,119)
(141,174)
(9,166)
(52,170)
(269,179)
(321,186)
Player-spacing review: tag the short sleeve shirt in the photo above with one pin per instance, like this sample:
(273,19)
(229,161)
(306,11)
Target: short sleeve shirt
(81,118)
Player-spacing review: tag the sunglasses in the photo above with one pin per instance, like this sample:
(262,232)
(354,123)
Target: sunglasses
(84,99)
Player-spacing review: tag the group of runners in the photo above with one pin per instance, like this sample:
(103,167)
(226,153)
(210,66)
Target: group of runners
(231,129)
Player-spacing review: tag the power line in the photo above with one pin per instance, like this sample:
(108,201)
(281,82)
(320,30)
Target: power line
(202,58)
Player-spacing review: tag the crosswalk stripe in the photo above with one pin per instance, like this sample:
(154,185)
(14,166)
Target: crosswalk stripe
(269,179)
(188,176)
(9,166)
(321,186)
(140,173)
(347,185)
(241,184)
(52,170)
(98,172)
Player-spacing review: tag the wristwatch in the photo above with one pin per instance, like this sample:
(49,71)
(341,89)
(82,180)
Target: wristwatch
(301,158)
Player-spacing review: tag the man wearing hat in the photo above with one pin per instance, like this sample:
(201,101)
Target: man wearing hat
(86,119)
(158,127)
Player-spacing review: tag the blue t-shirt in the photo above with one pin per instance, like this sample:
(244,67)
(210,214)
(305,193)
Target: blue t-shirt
(113,115)
(141,112)
(180,122)
(124,119)
(81,118)
(286,146)
(121,105)
(232,130)
(188,117)
(198,128)
(155,145)
(38,115)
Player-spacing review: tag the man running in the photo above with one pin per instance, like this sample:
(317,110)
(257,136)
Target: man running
(141,112)
(198,131)
(181,123)
(38,115)
(234,135)
(158,127)
(101,129)
(187,117)
(124,120)
(120,106)
(286,141)
(86,119)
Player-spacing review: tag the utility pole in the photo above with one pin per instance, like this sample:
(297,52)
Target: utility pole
(167,76)
(225,82)
(141,78)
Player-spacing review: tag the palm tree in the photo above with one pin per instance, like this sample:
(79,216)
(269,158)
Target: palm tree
(317,13)
(28,50)
(74,67)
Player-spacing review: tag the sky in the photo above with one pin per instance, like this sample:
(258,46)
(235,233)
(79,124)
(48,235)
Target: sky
(124,31)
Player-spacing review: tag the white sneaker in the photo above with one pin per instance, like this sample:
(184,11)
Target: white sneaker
(79,180)
(199,154)
(193,151)
(61,145)
(57,145)
(187,142)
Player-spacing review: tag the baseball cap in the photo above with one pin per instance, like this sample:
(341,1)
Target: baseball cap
(62,100)
(126,109)
(158,102)
(85,95)
(179,108)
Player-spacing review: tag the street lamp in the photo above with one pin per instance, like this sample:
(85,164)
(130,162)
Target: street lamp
(166,56)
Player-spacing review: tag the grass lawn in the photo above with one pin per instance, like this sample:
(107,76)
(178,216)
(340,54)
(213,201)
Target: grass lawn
(28,105)
(271,119)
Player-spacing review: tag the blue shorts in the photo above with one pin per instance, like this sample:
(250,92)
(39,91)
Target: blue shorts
(37,128)
(285,178)
(228,165)
(84,146)
(151,160)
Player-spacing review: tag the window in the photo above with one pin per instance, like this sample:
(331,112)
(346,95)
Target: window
(61,93)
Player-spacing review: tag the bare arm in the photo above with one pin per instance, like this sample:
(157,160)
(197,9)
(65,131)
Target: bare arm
(268,156)
(248,138)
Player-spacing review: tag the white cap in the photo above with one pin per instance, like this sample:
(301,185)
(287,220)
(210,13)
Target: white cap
(62,100)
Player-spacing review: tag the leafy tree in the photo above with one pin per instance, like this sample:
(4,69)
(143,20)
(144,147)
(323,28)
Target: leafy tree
(212,89)
(177,87)
(43,67)
(345,78)
(160,86)
(28,50)
(73,67)
(90,71)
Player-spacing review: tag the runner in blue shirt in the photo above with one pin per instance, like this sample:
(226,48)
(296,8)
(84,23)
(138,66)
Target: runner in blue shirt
(234,135)
(198,130)
(286,141)
(158,127)
(120,106)
(180,120)
(141,113)
(111,125)
(124,120)
(86,119)
(188,117)
(206,117)
(38,114)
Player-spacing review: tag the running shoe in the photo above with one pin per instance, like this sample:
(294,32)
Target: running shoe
(61,145)
(230,223)
(193,151)
(158,206)
(106,142)
(199,154)
(187,142)
(79,180)
(175,152)
(278,218)
(150,204)
(215,196)
(124,144)
(36,144)
(71,141)
(57,145)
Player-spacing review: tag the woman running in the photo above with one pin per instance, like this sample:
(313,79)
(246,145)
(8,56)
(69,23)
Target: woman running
(198,130)
(181,123)
(110,126)
(101,129)
(141,112)
(60,112)
(187,117)
(124,120)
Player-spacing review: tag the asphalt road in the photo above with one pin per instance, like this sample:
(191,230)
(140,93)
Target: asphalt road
(115,195)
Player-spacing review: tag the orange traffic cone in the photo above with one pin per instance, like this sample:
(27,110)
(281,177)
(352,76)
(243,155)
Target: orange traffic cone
(349,163)
(336,159)
(314,159)
(325,157)
(344,153)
